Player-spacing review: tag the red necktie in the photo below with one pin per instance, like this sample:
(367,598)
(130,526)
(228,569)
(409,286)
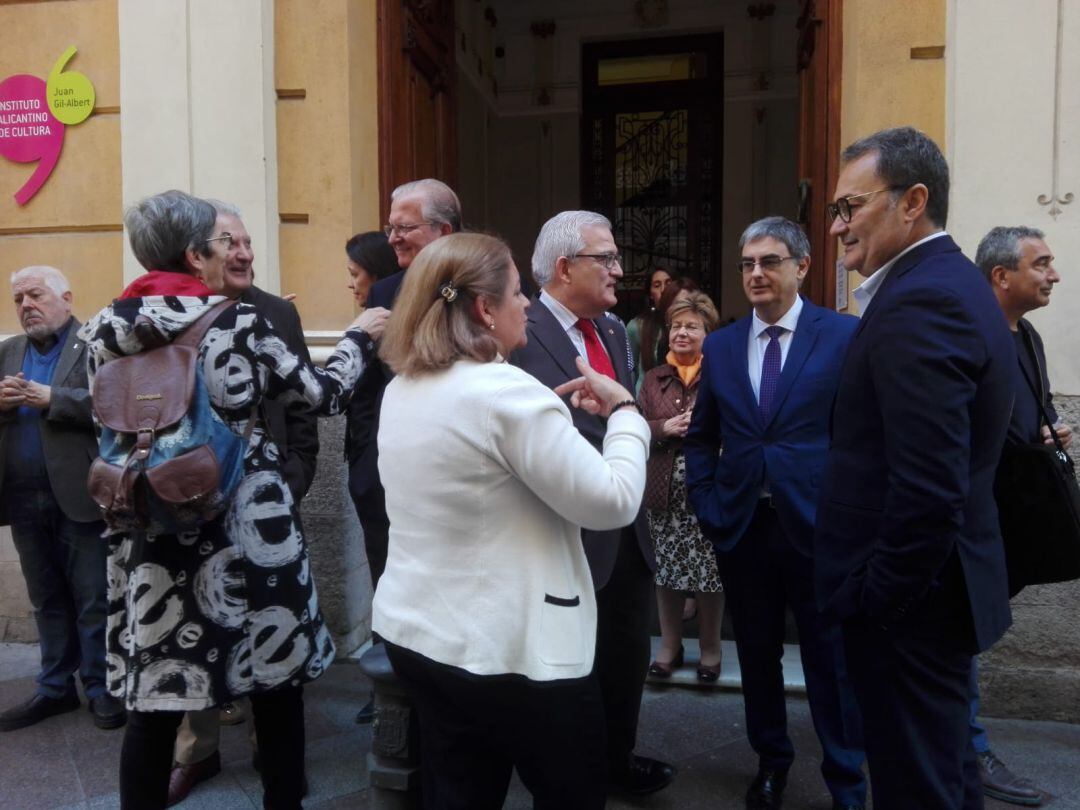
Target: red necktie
(598,358)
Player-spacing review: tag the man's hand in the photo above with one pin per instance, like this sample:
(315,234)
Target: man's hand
(372,321)
(12,392)
(37,395)
(594,392)
(1064,434)
(676,425)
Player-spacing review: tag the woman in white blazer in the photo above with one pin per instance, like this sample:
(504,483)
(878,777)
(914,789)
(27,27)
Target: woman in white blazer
(486,605)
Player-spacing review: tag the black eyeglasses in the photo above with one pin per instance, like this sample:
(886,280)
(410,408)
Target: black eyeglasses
(768,263)
(608,260)
(842,206)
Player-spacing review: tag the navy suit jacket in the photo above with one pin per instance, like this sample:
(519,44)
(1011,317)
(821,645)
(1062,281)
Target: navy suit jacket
(787,450)
(549,356)
(907,530)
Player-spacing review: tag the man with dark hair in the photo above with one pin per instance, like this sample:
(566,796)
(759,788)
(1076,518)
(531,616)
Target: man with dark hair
(908,553)
(766,388)
(47,442)
(420,212)
(1019,266)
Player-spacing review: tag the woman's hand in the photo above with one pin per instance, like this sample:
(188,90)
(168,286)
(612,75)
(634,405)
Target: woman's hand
(676,425)
(593,392)
(372,321)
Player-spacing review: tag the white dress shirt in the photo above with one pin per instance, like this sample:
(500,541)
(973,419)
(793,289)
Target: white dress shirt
(568,320)
(758,341)
(864,293)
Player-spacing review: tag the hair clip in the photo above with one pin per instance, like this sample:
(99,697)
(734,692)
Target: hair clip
(449,292)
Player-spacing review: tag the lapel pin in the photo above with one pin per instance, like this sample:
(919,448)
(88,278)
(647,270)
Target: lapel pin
(611,331)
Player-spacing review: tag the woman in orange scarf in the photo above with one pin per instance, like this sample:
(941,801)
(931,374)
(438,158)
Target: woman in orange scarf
(685,561)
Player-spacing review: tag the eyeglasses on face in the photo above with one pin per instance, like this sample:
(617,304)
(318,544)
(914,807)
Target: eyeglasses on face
(768,263)
(842,206)
(403,230)
(608,260)
(229,240)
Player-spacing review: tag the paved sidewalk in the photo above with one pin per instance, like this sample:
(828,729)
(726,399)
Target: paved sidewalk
(65,762)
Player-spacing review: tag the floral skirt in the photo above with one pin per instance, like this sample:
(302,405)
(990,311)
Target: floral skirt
(685,561)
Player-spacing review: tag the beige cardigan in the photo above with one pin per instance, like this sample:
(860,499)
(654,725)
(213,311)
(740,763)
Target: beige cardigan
(487,485)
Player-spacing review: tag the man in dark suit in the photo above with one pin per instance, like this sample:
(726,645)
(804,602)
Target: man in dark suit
(421,211)
(576,264)
(292,428)
(47,442)
(754,453)
(908,554)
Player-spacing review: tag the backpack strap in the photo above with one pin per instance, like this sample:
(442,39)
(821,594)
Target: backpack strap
(194,334)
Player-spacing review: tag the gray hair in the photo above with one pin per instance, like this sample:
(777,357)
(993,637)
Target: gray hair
(162,227)
(53,278)
(1002,247)
(905,157)
(440,203)
(780,229)
(224,209)
(561,236)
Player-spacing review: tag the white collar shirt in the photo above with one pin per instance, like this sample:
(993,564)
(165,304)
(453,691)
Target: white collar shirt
(864,293)
(758,341)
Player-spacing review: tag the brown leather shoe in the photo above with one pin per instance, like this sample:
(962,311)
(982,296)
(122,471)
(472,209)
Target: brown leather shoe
(998,782)
(185,777)
(661,669)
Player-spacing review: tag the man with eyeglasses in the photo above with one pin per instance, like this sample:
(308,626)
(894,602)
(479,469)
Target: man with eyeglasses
(908,554)
(295,432)
(420,212)
(766,388)
(576,264)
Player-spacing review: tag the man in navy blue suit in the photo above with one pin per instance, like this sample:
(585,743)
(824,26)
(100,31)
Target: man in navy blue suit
(908,554)
(754,453)
(420,212)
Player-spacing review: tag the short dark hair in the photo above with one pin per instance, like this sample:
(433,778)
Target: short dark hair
(1001,246)
(371,251)
(905,157)
(780,229)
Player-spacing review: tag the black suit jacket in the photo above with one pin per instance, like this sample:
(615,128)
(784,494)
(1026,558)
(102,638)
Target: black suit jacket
(294,428)
(362,424)
(907,528)
(67,427)
(549,356)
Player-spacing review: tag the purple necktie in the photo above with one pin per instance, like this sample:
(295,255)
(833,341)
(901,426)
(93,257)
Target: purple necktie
(770,371)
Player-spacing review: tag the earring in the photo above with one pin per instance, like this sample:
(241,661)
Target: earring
(491,324)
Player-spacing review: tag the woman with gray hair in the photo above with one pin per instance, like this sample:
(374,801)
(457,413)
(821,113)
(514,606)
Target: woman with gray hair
(201,617)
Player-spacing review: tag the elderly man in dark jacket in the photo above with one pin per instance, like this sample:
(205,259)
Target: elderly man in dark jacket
(47,443)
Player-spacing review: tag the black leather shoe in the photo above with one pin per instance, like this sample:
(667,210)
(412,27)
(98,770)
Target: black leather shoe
(840,806)
(767,790)
(36,709)
(108,711)
(998,782)
(642,776)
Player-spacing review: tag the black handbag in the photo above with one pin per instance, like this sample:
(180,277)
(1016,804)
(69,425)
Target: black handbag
(1038,504)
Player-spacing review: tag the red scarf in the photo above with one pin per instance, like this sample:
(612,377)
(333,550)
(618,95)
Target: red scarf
(164,282)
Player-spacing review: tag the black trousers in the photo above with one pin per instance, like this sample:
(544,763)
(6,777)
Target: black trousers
(147,753)
(762,575)
(623,647)
(474,730)
(914,693)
